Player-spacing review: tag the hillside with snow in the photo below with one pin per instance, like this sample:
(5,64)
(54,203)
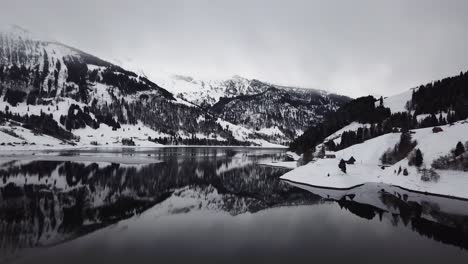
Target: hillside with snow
(412,140)
(54,96)
(416,140)
(254,104)
(397,103)
(368,167)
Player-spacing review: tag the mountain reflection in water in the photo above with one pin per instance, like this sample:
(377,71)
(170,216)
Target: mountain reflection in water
(209,203)
(48,202)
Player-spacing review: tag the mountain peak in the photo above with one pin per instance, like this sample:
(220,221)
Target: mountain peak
(14,31)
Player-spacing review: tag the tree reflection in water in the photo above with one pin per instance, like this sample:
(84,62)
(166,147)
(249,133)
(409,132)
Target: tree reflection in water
(439,218)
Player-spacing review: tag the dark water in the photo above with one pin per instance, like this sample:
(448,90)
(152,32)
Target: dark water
(213,205)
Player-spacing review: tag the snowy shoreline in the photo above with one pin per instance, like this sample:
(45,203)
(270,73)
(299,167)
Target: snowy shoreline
(451,184)
(325,173)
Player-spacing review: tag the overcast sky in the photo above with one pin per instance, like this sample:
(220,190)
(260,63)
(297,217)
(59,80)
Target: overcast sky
(349,47)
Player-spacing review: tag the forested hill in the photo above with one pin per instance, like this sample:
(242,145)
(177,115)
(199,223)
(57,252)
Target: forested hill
(362,109)
(436,103)
(288,110)
(446,95)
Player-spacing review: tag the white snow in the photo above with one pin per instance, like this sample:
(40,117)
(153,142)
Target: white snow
(271,131)
(325,172)
(244,134)
(293,155)
(397,103)
(282,164)
(25,138)
(200,91)
(104,135)
(336,137)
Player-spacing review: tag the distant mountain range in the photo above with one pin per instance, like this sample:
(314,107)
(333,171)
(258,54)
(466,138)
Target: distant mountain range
(50,89)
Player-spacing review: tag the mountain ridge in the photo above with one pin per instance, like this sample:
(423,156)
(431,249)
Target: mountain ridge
(74,91)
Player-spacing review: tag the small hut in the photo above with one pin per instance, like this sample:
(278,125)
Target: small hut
(330,155)
(437,129)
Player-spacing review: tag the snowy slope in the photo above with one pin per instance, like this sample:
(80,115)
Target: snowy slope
(397,103)
(22,48)
(206,92)
(354,126)
(325,172)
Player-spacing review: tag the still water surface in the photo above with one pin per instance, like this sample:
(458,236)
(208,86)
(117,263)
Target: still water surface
(211,205)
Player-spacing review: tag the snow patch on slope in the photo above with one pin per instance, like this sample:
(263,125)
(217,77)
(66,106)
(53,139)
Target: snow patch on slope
(397,103)
(354,126)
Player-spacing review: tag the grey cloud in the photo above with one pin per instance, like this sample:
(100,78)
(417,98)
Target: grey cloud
(349,47)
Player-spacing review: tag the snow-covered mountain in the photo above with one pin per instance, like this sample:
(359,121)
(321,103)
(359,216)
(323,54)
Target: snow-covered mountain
(272,110)
(52,69)
(50,88)
(206,93)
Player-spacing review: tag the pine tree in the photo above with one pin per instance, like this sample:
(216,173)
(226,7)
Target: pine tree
(418,159)
(342,165)
(383,159)
(459,149)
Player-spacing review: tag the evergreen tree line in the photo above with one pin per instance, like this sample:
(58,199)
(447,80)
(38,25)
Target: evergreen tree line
(77,118)
(19,77)
(177,140)
(128,142)
(363,110)
(400,150)
(394,123)
(42,124)
(449,94)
